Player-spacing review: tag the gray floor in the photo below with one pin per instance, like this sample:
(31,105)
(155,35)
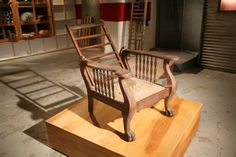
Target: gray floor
(22,130)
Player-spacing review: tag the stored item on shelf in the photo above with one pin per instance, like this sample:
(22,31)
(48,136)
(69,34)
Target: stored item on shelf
(40,1)
(40,17)
(11,35)
(43,32)
(6,16)
(27,17)
(29,35)
(2,33)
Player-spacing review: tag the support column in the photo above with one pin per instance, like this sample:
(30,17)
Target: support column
(91,8)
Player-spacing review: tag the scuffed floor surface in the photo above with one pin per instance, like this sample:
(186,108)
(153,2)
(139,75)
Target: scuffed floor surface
(22,129)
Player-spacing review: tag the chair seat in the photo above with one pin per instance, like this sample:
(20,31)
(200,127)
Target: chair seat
(139,88)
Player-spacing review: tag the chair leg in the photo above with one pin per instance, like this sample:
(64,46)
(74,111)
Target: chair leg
(168,110)
(90,104)
(127,117)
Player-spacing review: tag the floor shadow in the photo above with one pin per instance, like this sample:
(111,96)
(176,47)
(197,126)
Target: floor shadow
(37,89)
(194,70)
(75,89)
(38,131)
(36,113)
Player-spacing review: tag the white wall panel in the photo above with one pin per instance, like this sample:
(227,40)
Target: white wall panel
(60,27)
(36,45)
(61,41)
(6,50)
(21,47)
(57,2)
(70,43)
(59,12)
(70,14)
(112,29)
(49,44)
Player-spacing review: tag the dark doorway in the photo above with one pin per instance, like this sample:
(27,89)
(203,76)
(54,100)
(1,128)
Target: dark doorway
(179,24)
(169,23)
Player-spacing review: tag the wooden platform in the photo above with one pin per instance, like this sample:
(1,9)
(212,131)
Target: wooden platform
(75,133)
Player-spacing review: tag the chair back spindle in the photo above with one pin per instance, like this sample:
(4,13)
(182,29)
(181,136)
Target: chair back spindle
(145,67)
(104,82)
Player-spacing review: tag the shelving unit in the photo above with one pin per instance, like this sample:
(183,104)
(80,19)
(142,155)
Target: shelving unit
(64,13)
(7,23)
(56,40)
(25,19)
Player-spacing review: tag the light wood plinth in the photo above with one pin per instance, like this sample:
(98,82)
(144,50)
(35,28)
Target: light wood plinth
(76,133)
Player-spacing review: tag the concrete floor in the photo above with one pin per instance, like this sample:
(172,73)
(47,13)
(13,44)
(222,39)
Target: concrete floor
(22,130)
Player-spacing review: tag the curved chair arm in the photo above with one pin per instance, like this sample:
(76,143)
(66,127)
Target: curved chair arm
(172,84)
(146,62)
(121,73)
(101,78)
(161,55)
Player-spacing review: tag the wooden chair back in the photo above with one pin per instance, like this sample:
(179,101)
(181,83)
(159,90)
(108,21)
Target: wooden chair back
(94,39)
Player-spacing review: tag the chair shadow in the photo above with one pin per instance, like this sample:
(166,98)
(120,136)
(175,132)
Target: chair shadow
(110,115)
(75,89)
(39,131)
(194,70)
(100,120)
(175,108)
(162,112)
(104,125)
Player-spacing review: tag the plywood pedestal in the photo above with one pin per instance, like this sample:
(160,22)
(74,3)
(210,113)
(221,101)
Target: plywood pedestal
(76,133)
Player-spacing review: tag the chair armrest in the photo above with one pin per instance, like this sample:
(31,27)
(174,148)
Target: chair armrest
(158,54)
(147,68)
(121,73)
(105,83)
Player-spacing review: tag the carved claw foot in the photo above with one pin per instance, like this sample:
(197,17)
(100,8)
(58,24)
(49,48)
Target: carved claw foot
(130,136)
(169,113)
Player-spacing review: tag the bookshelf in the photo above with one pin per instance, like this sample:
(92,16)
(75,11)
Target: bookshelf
(25,19)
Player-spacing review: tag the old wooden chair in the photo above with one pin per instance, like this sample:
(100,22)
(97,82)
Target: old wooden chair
(129,85)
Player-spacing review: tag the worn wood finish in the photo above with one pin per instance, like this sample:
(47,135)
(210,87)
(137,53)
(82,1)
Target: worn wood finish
(101,134)
(100,79)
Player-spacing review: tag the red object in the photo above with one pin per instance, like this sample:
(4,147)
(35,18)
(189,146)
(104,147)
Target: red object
(115,12)
(78,11)
(228,5)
